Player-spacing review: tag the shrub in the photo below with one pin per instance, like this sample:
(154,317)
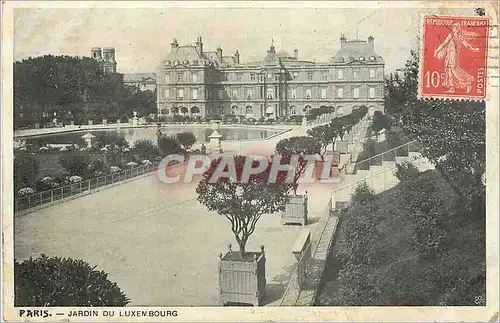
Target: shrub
(406,171)
(363,194)
(76,162)
(57,281)
(170,145)
(146,149)
(187,139)
(25,169)
(110,139)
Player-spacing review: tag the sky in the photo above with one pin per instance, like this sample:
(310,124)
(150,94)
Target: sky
(142,36)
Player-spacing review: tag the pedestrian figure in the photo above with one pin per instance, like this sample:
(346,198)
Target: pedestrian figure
(203,149)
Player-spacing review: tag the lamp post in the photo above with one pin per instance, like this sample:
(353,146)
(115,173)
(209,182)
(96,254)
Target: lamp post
(158,134)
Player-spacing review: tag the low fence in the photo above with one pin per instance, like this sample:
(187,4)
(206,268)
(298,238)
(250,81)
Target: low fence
(62,193)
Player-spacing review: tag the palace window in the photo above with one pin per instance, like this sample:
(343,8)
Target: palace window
(308,94)
(355,74)
(194,93)
(324,76)
(292,110)
(239,76)
(235,93)
(340,74)
(270,93)
(310,76)
(355,93)
(372,72)
(167,78)
(323,93)
(252,77)
(295,75)
(180,94)
(372,93)
(195,76)
(249,94)
(372,58)
(340,93)
(167,93)
(180,77)
(221,94)
(294,94)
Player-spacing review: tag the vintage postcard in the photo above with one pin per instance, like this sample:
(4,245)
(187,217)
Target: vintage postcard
(250,161)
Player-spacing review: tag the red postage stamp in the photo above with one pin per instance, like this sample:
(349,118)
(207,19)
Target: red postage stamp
(454,52)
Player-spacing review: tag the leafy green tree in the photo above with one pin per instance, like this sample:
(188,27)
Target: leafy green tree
(380,121)
(58,281)
(322,135)
(297,146)
(74,89)
(25,169)
(76,162)
(357,287)
(110,139)
(187,139)
(146,149)
(452,135)
(242,202)
(170,145)
(406,171)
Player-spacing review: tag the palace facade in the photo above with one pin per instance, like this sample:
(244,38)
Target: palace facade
(193,81)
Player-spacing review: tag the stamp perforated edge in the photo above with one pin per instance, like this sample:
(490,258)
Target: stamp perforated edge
(464,98)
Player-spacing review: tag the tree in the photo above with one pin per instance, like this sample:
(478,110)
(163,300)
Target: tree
(76,162)
(184,110)
(146,149)
(380,121)
(357,286)
(452,135)
(76,89)
(25,169)
(58,281)
(111,139)
(322,135)
(297,146)
(406,171)
(187,139)
(170,145)
(242,202)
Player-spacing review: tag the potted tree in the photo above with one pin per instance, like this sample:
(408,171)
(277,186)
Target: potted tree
(243,202)
(296,209)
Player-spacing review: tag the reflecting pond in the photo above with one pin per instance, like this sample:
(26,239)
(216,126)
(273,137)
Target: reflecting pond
(133,134)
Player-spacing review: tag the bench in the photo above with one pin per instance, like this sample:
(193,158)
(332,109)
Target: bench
(302,244)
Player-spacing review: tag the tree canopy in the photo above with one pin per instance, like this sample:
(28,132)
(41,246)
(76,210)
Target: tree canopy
(242,202)
(58,281)
(73,89)
(297,146)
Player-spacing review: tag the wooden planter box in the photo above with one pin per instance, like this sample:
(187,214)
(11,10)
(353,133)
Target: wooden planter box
(296,211)
(242,281)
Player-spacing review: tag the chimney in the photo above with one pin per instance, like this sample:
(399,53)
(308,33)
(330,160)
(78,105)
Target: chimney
(296,53)
(96,53)
(343,41)
(219,53)
(371,44)
(199,45)
(237,57)
(174,43)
